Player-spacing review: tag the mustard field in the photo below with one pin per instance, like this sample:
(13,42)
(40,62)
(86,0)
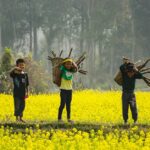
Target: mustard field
(98,123)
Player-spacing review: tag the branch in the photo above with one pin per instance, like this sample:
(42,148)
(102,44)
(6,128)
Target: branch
(146,69)
(80,59)
(60,53)
(53,53)
(82,72)
(143,65)
(147,81)
(145,72)
(70,53)
(50,58)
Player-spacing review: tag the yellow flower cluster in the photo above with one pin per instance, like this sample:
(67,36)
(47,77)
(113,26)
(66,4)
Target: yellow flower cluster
(87,106)
(74,140)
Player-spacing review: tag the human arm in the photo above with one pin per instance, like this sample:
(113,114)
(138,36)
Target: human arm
(27,85)
(14,71)
(138,75)
(74,67)
(122,68)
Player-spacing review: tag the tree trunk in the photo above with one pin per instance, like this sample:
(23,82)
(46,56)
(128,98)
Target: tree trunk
(30,39)
(0,41)
(133,39)
(82,34)
(111,62)
(30,26)
(35,52)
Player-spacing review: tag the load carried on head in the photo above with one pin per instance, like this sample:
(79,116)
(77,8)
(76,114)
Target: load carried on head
(137,68)
(58,61)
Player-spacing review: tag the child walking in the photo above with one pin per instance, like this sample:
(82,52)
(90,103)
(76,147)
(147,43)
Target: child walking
(20,92)
(67,68)
(129,76)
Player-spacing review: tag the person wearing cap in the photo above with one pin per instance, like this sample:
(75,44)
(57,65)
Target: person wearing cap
(68,68)
(129,75)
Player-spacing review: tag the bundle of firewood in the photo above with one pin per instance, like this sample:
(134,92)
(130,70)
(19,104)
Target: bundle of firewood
(57,62)
(142,68)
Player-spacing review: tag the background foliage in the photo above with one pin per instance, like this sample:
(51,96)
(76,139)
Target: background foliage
(106,30)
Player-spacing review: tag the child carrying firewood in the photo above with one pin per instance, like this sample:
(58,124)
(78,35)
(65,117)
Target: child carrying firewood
(126,77)
(129,76)
(63,70)
(68,68)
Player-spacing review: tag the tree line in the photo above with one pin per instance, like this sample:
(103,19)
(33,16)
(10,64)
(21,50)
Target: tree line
(106,30)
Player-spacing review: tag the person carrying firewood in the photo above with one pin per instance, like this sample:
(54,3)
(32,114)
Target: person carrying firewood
(126,77)
(63,71)
(129,76)
(68,68)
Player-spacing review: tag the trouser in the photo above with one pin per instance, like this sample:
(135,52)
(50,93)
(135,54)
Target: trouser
(66,97)
(19,106)
(129,99)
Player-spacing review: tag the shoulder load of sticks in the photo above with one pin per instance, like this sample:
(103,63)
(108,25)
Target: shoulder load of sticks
(142,68)
(57,62)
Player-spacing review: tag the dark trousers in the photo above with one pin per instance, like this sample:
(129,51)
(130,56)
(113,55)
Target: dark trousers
(129,99)
(19,106)
(66,97)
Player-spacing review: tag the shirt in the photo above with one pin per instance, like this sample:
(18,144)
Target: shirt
(66,79)
(21,83)
(66,84)
(129,83)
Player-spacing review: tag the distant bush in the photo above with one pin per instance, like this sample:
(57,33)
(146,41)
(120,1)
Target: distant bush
(38,77)
(5,66)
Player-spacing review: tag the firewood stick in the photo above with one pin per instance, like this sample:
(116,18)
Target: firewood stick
(60,53)
(146,81)
(80,60)
(126,60)
(137,62)
(50,58)
(83,55)
(147,78)
(82,72)
(139,67)
(143,65)
(145,72)
(146,69)
(70,53)
(53,53)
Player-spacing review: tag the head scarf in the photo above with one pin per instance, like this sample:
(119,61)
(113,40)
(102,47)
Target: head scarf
(67,60)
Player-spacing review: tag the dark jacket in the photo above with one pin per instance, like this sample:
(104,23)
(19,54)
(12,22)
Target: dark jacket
(21,83)
(129,83)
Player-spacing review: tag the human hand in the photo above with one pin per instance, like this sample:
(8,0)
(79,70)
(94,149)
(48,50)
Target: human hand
(17,70)
(126,60)
(26,96)
(75,67)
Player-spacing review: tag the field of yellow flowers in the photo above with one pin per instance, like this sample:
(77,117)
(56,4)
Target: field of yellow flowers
(98,123)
